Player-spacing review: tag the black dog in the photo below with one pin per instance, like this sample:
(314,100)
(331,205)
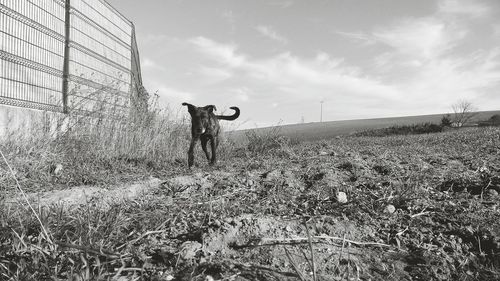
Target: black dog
(205,127)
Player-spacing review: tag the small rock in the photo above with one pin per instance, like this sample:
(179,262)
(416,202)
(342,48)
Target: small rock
(342,197)
(484,169)
(492,193)
(390,209)
(245,221)
(217,223)
(58,169)
(209,278)
(323,153)
(189,249)
(272,175)
(169,278)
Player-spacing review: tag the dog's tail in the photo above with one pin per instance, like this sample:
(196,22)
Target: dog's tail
(232,117)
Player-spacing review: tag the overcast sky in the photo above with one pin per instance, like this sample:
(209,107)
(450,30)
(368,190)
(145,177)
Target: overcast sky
(277,59)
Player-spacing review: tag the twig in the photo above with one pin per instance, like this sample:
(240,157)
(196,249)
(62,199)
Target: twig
(26,199)
(302,240)
(261,267)
(210,213)
(420,214)
(119,271)
(402,231)
(139,238)
(19,237)
(132,269)
(484,188)
(100,252)
(295,267)
(341,253)
(309,239)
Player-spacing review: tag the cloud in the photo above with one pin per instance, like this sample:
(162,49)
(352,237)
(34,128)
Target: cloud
(212,75)
(242,94)
(496,30)
(269,32)
(424,38)
(229,16)
(424,55)
(293,78)
(147,63)
(226,53)
(153,39)
(358,37)
(470,8)
(282,3)
(171,93)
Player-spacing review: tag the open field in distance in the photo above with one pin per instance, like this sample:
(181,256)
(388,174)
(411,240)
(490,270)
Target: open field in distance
(330,129)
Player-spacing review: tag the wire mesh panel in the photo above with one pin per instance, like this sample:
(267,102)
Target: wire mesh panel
(100,57)
(67,55)
(31,53)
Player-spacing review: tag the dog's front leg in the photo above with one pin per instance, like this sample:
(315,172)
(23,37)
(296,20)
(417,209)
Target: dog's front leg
(191,151)
(213,145)
(204,142)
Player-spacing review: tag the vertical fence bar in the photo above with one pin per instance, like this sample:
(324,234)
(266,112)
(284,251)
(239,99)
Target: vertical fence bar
(67,30)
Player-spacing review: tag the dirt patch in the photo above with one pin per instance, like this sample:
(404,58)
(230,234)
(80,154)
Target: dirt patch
(340,249)
(185,184)
(84,194)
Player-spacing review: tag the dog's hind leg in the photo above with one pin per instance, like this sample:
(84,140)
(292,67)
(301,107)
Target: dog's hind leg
(191,152)
(204,142)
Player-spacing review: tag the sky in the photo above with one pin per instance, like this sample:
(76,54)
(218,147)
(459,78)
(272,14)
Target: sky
(278,59)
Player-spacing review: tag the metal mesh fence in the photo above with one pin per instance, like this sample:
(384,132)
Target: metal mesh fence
(67,55)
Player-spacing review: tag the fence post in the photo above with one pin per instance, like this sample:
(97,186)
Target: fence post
(67,30)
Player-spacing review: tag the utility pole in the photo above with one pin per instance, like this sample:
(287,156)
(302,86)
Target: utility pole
(321,116)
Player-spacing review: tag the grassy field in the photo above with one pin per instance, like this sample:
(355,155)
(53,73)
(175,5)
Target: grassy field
(331,129)
(418,207)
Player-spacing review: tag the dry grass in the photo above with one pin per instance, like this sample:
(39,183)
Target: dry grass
(93,150)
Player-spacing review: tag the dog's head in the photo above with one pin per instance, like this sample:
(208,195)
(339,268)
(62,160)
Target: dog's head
(200,117)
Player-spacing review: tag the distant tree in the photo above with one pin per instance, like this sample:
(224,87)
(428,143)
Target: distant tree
(446,121)
(463,112)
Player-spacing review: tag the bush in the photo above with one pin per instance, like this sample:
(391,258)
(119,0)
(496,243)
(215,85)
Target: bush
(493,121)
(264,141)
(446,121)
(424,128)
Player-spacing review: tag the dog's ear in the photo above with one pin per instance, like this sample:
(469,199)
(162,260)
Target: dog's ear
(191,108)
(210,108)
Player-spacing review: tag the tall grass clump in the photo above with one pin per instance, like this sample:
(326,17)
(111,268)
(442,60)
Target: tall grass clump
(269,140)
(102,145)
